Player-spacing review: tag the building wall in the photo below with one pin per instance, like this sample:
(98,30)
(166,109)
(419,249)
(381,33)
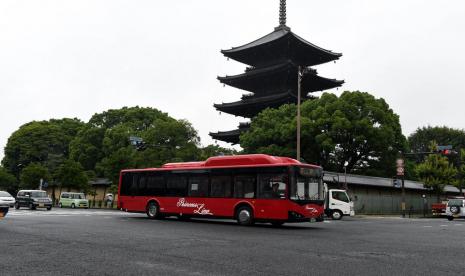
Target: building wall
(386,200)
(100,191)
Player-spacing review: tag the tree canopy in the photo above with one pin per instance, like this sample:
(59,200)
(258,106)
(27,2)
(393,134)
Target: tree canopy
(44,142)
(355,129)
(420,140)
(104,145)
(436,172)
(32,174)
(7,180)
(68,152)
(71,175)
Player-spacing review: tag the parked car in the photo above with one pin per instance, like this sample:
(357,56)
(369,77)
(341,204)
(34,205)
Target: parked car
(455,208)
(6,199)
(73,200)
(33,199)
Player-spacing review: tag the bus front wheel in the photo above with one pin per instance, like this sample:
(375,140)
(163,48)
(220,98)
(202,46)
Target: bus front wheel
(244,216)
(153,210)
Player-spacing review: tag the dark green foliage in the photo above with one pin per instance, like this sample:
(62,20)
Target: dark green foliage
(355,128)
(215,150)
(460,183)
(103,145)
(436,172)
(31,175)
(7,181)
(71,175)
(44,142)
(421,139)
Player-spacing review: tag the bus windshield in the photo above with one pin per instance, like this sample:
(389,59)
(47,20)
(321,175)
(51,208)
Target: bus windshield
(307,184)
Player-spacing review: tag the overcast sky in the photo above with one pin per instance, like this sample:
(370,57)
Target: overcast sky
(76,58)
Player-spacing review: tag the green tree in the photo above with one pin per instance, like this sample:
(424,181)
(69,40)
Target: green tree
(103,145)
(86,147)
(355,129)
(32,174)
(460,183)
(420,140)
(436,172)
(215,150)
(44,142)
(7,181)
(71,175)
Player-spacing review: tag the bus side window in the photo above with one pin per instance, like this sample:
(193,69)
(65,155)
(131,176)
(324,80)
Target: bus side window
(198,186)
(155,184)
(142,187)
(133,190)
(220,186)
(176,185)
(245,186)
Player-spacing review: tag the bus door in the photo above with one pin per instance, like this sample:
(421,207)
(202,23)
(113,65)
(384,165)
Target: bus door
(272,193)
(176,193)
(220,201)
(129,191)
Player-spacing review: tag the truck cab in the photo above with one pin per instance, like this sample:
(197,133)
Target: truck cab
(338,204)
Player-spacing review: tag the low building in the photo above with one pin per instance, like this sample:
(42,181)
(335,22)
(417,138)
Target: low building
(376,195)
(99,188)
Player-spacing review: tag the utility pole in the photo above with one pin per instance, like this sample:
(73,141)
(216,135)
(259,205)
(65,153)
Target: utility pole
(299,80)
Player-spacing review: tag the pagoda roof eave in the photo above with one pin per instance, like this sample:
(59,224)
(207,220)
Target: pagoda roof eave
(231,136)
(251,107)
(265,71)
(257,80)
(237,53)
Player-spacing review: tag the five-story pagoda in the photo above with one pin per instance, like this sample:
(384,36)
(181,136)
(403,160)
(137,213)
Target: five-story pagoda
(272,76)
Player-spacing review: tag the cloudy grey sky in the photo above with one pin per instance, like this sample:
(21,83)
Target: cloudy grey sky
(76,58)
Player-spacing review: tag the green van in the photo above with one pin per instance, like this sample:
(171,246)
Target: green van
(73,200)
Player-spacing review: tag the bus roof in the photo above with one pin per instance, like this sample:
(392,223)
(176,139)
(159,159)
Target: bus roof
(247,160)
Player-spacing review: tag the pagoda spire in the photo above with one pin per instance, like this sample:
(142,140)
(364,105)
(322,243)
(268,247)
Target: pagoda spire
(282,13)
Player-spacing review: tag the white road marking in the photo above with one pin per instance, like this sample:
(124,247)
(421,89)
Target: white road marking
(66,213)
(444,225)
(458,224)
(428,226)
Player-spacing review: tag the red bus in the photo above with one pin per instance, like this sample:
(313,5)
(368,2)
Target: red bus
(248,188)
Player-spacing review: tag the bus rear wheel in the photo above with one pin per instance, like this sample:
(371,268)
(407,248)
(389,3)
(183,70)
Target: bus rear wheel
(244,216)
(153,210)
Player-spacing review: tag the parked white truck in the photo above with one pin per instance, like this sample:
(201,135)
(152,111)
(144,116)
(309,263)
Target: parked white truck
(338,203)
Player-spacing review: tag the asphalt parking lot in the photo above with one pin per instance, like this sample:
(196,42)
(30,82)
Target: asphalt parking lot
(105,242)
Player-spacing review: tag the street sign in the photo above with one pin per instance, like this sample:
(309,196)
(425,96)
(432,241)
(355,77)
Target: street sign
(400,171)
(448,147)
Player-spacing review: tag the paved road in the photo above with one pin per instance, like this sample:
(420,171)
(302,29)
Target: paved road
(91,242)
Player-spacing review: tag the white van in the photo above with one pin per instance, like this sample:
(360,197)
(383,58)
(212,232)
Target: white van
(338,204)
(73,200)
(455,208)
